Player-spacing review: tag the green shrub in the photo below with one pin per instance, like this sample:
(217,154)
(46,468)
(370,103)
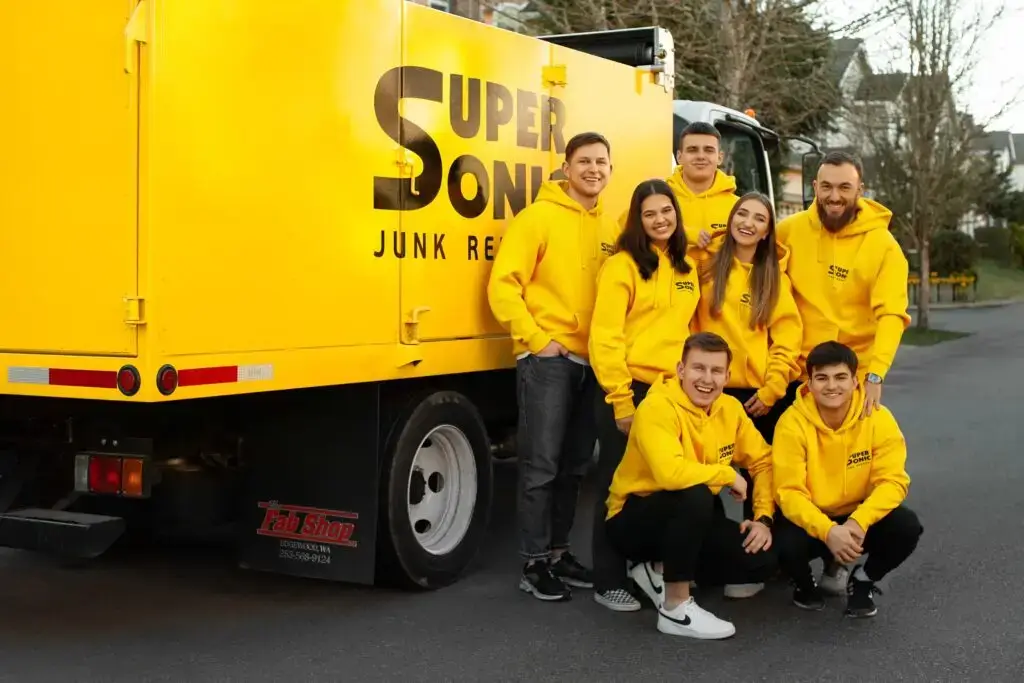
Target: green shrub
(952,252)
(994,244)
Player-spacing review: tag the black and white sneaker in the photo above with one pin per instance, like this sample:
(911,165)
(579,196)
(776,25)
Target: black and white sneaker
(808,596)
(538,580)
(860,601)
(617,600)
(570,572)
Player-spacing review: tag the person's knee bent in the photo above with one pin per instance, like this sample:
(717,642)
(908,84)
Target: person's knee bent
(695,504)
(904,526)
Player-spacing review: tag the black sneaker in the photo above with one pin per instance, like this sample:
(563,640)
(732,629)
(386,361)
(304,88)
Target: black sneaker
(538,580)
(808,596)
(860,601)
(571,572)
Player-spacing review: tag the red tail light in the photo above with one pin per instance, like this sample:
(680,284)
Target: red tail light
(104,474)
(166,380)
(128,380)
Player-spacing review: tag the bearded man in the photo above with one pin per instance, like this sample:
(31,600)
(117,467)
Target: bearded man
(849,280)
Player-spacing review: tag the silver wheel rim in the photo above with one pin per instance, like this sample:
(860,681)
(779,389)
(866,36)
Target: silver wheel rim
(441,492)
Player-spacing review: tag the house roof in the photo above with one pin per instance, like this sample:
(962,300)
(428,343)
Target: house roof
(881,87)
(994,141)
(843,52)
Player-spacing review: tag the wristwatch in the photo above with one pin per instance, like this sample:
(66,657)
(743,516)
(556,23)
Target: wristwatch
(766,520)
(873,378)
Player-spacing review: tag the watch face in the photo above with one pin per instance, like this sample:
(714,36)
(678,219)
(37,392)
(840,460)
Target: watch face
(873,378)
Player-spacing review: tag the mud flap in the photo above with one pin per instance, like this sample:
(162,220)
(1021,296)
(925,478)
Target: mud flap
(56,532)
(310,498)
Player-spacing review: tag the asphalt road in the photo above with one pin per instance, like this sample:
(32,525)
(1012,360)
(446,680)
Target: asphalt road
(951,613)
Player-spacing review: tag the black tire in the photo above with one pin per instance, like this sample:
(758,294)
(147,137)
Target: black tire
(401,559)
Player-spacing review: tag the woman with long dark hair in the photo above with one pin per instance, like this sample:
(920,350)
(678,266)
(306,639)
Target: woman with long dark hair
(647,294)
(746,298)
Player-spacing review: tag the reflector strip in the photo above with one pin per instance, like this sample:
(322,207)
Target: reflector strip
(96,379)
(228,374)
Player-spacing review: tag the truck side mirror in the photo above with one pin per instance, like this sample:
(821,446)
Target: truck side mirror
(809,170)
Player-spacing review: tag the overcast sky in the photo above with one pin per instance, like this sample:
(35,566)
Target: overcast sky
(1000,68)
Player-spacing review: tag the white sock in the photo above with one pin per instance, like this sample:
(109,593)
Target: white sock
(859,573)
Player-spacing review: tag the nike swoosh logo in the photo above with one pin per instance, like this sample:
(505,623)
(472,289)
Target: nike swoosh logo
(656,587)
(682,622)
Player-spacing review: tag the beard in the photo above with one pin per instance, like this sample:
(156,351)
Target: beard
(836,223)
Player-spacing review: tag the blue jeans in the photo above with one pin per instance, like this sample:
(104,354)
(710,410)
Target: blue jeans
(556,437)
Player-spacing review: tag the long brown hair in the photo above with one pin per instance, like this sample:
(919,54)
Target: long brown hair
(635,240)
(764,273)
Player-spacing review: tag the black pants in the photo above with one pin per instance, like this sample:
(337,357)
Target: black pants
(766,426)
(689,532)
(888,543)
(556,447)
(609,565)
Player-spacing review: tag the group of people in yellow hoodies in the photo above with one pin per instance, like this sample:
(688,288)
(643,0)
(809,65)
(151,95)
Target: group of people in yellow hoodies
(691,336)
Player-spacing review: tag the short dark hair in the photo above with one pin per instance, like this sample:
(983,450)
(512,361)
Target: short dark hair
(839,158)
(709,342)
(635,241)
(831,353)
(584,139)
(699,128)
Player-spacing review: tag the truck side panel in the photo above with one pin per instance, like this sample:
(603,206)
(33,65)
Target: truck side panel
(68,177)
(475,123)
(627,108)
(263,152)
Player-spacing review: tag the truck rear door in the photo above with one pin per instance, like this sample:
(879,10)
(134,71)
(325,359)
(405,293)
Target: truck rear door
(69,128)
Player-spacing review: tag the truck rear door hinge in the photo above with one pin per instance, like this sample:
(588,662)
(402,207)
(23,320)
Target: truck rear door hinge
(555,75)
(136,31)
(411,326)
(133,314)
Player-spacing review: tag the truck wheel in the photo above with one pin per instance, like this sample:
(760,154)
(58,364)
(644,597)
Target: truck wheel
(436,492)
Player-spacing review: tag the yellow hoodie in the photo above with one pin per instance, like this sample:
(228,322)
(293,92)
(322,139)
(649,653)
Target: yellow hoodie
(856,470)
(850,286)
(544,278)
(639,327)
(674,445)
(708,210)
(762,358)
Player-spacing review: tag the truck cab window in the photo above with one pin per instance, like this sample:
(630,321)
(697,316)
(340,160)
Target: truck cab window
(744,159)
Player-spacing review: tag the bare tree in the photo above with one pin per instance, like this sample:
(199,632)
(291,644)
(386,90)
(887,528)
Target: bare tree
(922,145)
(772,55)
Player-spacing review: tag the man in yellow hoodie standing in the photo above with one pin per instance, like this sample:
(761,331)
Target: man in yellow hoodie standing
(849,279)
(841,482)
(542,288)
(848,272)
(664,506)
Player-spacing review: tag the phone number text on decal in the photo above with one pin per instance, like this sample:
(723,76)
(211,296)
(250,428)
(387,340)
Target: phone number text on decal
(299,556)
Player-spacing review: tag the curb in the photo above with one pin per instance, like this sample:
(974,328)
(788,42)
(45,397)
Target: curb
(999,303)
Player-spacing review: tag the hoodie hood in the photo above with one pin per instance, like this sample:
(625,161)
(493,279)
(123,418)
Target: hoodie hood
(722,184)
(557,192)
(806,406)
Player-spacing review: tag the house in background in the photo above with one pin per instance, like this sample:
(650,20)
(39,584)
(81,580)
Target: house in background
(1007,150)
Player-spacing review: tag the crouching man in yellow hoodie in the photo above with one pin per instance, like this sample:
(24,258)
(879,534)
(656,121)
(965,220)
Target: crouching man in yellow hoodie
(664,506)
(840,480)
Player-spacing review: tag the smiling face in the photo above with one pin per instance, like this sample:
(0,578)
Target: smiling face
(837,189)
(700,156)
(750,223)
(588,170)
(658,217)
(832,386)
(703,375)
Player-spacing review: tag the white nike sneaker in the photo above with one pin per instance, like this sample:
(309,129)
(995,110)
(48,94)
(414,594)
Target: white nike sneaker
(690,620)
(834,584)
(739,591)
(651,582)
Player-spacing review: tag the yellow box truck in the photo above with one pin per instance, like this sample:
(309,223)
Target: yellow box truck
(246,246)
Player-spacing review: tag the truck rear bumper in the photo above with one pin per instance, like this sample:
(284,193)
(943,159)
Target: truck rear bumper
(66,534)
